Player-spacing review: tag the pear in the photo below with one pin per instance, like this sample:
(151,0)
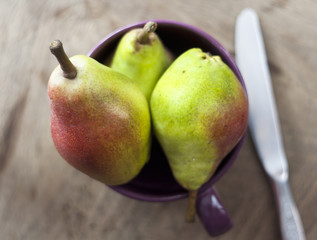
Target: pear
(199,113)
(100,120)
(141,56)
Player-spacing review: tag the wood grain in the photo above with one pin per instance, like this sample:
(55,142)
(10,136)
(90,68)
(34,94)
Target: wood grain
(42,197)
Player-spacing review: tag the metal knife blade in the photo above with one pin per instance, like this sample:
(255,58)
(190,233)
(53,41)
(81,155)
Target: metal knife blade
(263,118)
(263,121)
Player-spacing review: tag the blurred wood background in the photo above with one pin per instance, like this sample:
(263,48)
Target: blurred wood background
(42,197)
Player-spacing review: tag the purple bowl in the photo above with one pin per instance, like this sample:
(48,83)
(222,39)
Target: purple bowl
(155,182)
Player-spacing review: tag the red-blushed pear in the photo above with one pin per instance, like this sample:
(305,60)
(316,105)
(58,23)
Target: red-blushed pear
(199,113)
(100,121)
(142,56)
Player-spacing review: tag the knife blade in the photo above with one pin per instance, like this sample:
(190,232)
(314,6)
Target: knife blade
(263,119)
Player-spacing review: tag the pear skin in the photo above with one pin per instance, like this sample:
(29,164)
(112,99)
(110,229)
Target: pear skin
(199,113)
(141,56)
(100,121)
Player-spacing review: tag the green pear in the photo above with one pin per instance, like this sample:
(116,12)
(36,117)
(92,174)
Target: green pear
(141,56)
(100,120)
(199,113)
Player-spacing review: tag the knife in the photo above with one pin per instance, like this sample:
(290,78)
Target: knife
(263,119)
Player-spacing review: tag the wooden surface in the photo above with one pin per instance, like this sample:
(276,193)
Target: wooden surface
(42,197)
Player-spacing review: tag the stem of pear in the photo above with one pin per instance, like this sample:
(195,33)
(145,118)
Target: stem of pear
(143,36)
(191,210)
(69,70)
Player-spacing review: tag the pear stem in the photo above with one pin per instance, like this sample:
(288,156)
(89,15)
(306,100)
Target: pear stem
(191,210)
(148,28)
(69,70)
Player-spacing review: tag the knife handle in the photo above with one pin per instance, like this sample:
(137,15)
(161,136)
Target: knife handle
(291,225)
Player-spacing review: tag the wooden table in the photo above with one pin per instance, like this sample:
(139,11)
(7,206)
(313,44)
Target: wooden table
(42,197)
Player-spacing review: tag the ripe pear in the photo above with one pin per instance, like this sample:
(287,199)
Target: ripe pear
(199,113)
(141,56)
(100,120)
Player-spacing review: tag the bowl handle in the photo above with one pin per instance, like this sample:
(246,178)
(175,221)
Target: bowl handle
(212,213)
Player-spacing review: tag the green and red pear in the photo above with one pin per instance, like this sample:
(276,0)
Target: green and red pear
(100,121)
(199,113)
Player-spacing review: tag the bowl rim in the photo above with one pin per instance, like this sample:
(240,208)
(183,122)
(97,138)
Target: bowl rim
(231,157)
